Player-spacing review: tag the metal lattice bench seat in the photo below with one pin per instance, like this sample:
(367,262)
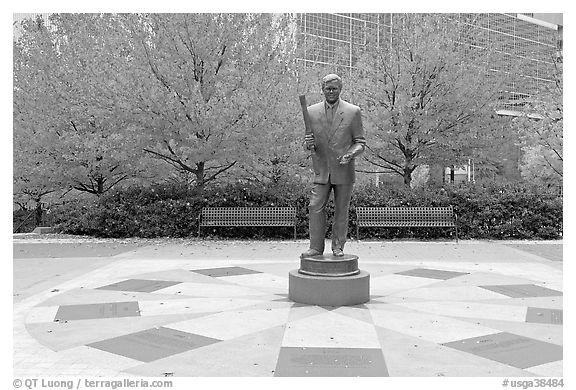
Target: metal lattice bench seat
(248,216)
(405,217)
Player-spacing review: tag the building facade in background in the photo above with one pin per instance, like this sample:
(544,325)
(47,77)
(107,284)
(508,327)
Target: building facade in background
(325,35)
(533,37)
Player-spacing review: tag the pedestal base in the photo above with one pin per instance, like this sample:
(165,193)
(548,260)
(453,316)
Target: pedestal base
(329,290)
(329,265)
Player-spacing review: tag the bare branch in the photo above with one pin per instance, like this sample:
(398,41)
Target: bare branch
(173,161)
(213,176)
(124,177)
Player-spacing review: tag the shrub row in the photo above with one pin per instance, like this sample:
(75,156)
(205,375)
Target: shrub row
(485,211)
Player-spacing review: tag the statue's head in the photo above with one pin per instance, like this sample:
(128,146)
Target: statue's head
(331,87)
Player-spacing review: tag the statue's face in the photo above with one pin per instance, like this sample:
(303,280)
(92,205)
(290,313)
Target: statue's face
(331,91)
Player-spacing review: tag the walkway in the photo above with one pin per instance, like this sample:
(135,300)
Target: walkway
(220,308)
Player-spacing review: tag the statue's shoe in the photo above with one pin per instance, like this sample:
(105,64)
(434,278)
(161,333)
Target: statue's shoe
(338,252)
(311,252)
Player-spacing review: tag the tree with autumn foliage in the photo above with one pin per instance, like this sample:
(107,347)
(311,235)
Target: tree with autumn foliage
(33,181)
(204,94)
(211,92)
(63,98)
(540,128)
(427,94)
(33,160)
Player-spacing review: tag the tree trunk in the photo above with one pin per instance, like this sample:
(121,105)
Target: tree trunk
(38,213)
(199,172)
(408,167)
(408,176)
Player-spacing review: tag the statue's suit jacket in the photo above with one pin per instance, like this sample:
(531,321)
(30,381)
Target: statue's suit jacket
(344,135)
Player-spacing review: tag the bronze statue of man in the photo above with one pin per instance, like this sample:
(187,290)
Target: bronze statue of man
(337,138)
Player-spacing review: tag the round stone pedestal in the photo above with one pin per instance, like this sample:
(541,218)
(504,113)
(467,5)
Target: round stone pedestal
(329,281)
(333,266)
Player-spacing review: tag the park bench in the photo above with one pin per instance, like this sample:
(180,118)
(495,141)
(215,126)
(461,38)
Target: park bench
(405,217)
(247,216)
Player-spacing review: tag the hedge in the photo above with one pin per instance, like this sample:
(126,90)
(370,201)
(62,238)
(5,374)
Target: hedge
(485,211)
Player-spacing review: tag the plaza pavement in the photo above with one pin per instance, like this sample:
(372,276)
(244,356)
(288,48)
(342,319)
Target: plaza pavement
(188,308)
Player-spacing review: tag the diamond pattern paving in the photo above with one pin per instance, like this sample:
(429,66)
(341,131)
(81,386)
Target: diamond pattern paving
(153,344)
(510,349)
(138,285)
(228,318)
(545,316)
(432,273)
(551,252)
(226,271)
(523,291)
(330,362)
(97,310)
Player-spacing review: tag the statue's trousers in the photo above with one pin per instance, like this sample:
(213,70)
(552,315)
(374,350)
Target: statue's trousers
(317,210)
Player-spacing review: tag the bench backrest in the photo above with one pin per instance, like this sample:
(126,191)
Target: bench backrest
(405,216)
(248,216)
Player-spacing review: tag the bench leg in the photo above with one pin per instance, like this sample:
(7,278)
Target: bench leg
(294,232)
(357,233)
(456,228)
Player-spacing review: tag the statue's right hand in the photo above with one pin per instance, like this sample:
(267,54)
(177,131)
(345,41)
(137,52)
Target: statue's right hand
(309,141)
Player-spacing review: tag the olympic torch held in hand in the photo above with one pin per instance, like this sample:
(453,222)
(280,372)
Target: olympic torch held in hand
(307,125)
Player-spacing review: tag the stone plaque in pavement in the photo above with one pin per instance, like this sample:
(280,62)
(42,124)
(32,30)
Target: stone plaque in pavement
(513,350)
(139,285)
(523,291)
(330,362)
(545,316)
(432,273)
(153,344)
(225,271)
(548,251)
(97,311)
